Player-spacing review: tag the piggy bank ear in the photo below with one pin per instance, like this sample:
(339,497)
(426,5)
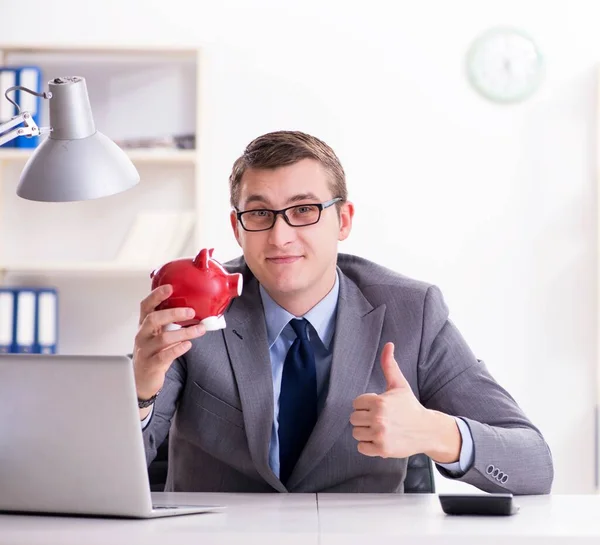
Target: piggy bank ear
(210,252)
(201,260)
(153,273)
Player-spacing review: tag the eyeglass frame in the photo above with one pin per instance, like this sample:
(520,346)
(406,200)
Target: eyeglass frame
(320,205)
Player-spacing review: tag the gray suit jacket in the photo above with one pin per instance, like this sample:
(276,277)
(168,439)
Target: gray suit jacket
(217,400)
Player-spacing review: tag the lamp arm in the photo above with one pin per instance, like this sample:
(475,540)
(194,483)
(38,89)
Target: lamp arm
(46,95)
(30,128)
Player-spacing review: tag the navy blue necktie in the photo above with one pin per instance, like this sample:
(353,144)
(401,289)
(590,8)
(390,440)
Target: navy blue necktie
(298,399)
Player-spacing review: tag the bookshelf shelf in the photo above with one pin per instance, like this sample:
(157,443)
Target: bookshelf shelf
(100,49)
(79,267)
(146,155)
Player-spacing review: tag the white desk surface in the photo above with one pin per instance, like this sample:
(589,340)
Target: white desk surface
(326,519)
(286,519)
(353,519)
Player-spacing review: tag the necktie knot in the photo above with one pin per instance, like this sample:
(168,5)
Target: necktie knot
(300,327)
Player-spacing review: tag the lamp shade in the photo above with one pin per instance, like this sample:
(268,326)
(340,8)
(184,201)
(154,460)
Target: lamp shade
(76,162)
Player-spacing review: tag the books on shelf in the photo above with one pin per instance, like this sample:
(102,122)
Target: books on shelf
(156,236)
(28,320)
(23,76)
(174,141)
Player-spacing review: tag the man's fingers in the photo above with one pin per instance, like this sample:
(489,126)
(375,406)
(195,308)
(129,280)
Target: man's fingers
(155,298)
(363,433)
(182,334)
(360,418)
(165,339)
(368,449)
(365,402)
(163,359)
(154,322)
(391,370)
(170,354)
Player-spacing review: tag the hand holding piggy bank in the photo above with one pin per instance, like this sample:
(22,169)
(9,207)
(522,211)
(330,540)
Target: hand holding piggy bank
(202,284)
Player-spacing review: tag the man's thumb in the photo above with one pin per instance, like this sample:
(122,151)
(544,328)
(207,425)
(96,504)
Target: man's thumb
(393,376)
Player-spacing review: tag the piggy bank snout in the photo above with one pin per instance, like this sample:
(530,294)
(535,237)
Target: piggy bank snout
(234,285)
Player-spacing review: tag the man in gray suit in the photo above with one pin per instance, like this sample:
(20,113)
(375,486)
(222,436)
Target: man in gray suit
(332,370)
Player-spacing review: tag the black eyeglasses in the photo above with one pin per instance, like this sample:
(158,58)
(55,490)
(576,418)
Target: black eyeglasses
(300,215)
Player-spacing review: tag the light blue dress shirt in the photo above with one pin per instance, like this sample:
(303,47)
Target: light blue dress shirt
(321,318)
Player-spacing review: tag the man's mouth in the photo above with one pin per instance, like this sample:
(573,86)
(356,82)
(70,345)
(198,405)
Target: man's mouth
(282,259)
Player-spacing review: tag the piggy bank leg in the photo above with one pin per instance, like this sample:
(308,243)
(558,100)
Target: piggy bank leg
(213,323)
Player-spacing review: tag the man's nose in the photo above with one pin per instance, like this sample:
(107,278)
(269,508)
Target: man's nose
(281,232)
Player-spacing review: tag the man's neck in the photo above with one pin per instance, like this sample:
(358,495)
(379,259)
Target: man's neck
(299,303)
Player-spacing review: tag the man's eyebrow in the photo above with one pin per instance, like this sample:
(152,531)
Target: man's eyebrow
(256,198)
(295,198)
(303,197)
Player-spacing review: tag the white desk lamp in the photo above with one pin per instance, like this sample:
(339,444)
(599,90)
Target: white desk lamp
(75,162)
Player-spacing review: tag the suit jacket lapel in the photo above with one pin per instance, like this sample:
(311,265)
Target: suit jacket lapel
(247,345)
(355,346)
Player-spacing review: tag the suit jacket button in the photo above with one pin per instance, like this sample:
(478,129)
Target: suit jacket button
(489,469)
(504,478)
(495,474)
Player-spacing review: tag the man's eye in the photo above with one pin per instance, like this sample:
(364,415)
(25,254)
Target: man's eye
(305,209)
(259,213)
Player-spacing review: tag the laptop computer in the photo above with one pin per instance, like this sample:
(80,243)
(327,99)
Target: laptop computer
(71,440)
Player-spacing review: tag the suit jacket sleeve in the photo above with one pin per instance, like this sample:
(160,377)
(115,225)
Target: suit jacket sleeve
(510,454)
(164,408)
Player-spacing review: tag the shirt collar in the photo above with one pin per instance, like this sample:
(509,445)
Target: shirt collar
(321,317)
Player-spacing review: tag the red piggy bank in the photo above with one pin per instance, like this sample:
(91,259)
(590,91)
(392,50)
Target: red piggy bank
(200,283)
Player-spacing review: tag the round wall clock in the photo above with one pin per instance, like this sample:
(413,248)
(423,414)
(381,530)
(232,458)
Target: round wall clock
(505,65)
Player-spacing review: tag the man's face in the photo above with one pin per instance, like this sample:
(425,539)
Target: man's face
(292,261)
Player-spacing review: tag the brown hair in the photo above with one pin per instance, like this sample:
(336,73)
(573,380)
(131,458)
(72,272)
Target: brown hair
(282,148)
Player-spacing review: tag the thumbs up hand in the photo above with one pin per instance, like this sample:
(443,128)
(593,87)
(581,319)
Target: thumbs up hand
(394,424)
(393,376)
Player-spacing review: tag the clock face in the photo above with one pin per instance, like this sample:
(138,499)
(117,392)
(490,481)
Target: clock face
(505,65)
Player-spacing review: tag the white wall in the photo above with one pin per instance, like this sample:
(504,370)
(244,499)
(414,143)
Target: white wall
(495,204)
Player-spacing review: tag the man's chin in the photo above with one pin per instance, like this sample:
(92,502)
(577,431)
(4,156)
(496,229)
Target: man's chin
(282,278)
(284,284)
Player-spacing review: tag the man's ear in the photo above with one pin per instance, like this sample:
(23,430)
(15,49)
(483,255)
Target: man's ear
(235,226)
(346,215)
